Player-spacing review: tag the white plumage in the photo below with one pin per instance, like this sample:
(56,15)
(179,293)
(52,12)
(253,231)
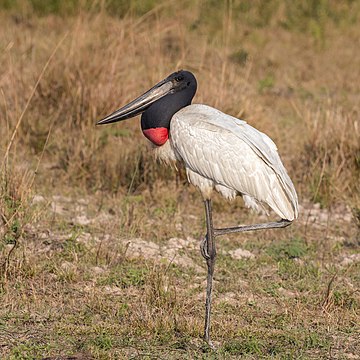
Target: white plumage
(225,153)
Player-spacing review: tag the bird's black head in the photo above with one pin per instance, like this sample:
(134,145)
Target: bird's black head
(158,105)
(183,81)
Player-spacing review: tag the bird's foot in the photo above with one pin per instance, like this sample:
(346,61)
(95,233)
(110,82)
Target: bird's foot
(204,250)
(209,343)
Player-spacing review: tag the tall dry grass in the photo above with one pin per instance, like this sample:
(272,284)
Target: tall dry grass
(278,79)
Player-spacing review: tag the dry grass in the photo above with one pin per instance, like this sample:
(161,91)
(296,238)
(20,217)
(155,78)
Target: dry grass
(70,283)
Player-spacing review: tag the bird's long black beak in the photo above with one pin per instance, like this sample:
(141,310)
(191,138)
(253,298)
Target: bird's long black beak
(141,103)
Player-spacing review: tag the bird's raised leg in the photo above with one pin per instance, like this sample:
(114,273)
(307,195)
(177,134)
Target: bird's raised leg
(270,225)
(208,251)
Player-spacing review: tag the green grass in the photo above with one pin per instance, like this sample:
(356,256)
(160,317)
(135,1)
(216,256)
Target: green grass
(266,84)
(29,351)
(289,249)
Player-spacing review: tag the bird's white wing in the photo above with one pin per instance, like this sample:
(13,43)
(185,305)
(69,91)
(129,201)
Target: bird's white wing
(233,154)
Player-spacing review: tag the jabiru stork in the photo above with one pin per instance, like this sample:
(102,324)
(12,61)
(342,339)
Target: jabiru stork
(219,152)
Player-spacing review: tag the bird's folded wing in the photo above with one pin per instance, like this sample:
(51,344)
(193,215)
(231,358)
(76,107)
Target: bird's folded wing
(232,153)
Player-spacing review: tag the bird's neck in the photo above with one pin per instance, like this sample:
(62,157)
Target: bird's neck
(155,121)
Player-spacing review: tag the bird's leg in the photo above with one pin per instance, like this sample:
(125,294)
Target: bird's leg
(270,225)
(208,251)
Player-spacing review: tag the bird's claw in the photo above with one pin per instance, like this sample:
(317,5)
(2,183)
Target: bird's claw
(204,248)
(210,344)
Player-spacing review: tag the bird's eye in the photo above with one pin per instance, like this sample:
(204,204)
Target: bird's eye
(179,78)
(188,84)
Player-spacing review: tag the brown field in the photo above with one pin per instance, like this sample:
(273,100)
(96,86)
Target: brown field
(99,244)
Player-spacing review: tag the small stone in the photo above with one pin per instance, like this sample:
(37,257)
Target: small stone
(353,258)
(82,220)
(113,290)
(58,208)
(97,270)
(241,254)
(286,293)
(38,199)
(228,298)
(68,266)
(142,248)
(179,243)
(59,198)
(84,238)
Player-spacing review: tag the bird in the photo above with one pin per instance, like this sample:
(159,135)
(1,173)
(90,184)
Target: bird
(219,152)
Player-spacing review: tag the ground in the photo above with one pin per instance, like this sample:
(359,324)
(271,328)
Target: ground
(99,249)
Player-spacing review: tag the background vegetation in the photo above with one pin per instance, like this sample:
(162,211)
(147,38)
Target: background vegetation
(73,196)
